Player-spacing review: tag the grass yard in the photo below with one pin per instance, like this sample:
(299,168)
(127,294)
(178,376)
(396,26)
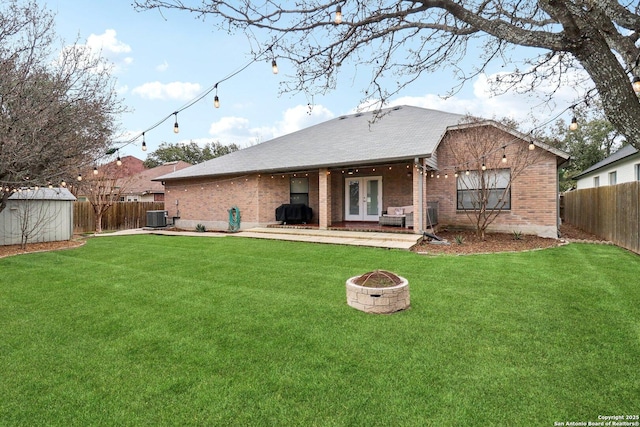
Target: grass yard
(159,330)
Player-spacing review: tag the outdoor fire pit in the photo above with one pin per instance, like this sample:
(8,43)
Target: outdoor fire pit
(379,291)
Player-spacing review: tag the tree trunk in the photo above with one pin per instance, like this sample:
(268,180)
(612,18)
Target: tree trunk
(98,218)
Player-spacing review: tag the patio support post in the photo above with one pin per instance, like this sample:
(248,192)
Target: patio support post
(418,198)
(324,205)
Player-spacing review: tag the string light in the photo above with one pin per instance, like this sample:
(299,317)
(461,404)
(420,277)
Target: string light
(338,17)
(274,66)
(574,124)
(176,128)
(119,160)
(144,143)
(95,170)
(532,146)
(79,176)
(504,154)
(636,84)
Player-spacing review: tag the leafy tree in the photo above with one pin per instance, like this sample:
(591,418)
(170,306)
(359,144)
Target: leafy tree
(406,39)
(56,114)
(594,140)
(191,153)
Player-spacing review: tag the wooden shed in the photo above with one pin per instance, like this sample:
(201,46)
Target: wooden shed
(42,215)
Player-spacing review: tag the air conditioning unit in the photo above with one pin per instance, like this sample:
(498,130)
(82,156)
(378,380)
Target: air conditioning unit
(156,219)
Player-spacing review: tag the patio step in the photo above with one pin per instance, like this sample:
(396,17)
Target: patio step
(355,238)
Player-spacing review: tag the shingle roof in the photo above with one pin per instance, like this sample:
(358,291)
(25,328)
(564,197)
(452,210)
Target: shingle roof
(624,152)
(143,182)
(402,133)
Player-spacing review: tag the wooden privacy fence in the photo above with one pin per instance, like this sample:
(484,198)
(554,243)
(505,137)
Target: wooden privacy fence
(120,216)
(611,212)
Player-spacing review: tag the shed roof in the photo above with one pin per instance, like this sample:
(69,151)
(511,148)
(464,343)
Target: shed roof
(56,193)
(403,132)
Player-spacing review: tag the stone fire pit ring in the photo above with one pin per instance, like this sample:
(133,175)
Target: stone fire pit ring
(378,300)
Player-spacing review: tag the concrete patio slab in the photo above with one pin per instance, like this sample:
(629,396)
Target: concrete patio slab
(352,238)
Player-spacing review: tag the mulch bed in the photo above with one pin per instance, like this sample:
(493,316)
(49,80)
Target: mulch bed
(498,242)
(10,250)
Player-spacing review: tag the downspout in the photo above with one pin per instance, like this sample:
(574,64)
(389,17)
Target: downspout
(421,179)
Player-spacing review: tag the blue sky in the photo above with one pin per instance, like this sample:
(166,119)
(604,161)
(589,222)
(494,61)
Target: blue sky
(162,61)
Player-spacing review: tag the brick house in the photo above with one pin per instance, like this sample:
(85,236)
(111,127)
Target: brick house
(352,169)
(141,187)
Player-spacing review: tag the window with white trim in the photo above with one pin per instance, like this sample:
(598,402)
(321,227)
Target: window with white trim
(613,178)
(492,184)
(637,167)
(596,181)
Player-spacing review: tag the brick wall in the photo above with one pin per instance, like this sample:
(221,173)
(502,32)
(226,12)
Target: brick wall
(208,200)
(533,192)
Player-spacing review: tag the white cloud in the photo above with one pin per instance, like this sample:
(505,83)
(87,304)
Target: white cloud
(107,42)
(162,67)
(228,124)
(300,117)
(237,130)
(105,46)
(161,91)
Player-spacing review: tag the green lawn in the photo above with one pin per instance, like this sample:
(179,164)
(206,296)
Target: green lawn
(159,330)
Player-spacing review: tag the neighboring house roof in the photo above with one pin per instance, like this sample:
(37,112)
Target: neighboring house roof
(44,194)
(142,183)
(130,165)
(399,134)
(620,155)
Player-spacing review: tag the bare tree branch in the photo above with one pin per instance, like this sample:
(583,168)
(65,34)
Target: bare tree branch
(406,39)
(58,107)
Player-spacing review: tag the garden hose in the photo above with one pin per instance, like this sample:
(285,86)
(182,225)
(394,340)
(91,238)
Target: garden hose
(234,219)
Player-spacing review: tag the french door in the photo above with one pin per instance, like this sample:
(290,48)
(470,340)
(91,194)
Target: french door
(363,198)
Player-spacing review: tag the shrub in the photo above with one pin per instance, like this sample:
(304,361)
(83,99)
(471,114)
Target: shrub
(200,228)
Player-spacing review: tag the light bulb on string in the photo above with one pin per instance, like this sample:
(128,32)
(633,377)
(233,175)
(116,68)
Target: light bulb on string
(119,160)
(274,66)
(636,84)
(95,170)
(484,167)
(574,124)
(338,16)
(176,128)
(79,176)
(216,100)
(504,155)
(63,183)
(144,143)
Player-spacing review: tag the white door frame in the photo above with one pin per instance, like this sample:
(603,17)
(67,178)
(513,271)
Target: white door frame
(362,212)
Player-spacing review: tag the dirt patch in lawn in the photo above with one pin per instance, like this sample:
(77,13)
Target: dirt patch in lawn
(463,242)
